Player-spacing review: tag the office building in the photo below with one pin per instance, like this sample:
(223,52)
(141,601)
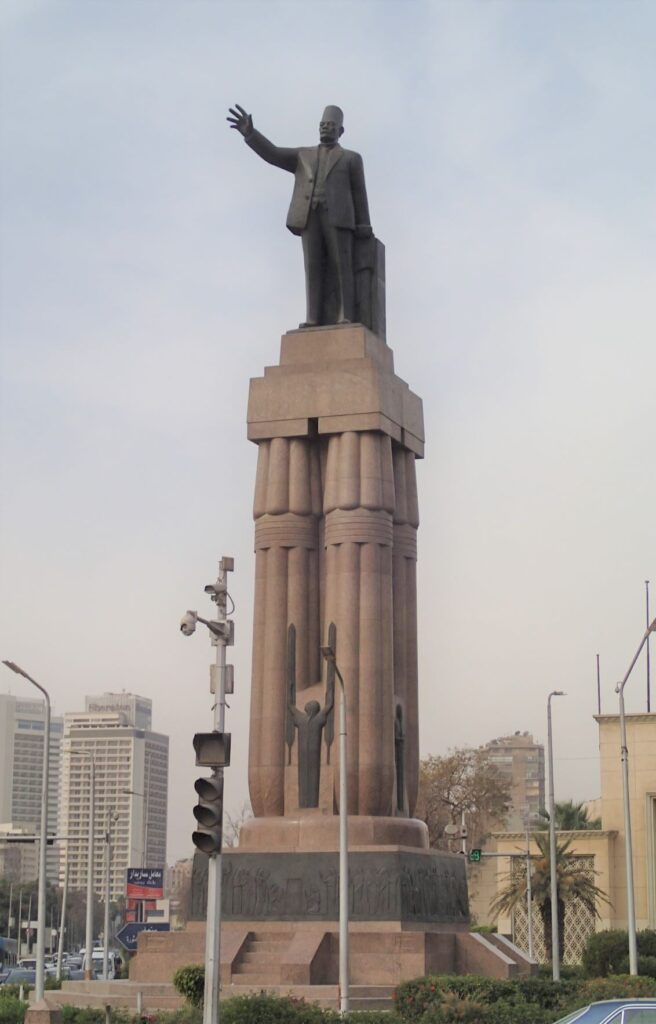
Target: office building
(22,731)
(521,760)
(131,788)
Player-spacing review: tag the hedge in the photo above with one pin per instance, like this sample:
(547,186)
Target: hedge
(607,953)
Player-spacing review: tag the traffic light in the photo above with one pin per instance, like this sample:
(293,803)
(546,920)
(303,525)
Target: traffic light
(208,812)
(474,856)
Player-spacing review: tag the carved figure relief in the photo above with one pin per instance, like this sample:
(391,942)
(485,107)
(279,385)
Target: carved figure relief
(309,724)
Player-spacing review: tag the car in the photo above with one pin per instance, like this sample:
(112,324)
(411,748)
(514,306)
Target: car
(19,976)
(614,1011)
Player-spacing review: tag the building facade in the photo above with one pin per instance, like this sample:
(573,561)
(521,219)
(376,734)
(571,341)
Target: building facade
(22,732)
(521,761)
(130,768)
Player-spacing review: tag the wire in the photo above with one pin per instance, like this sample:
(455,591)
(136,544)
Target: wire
(232,610)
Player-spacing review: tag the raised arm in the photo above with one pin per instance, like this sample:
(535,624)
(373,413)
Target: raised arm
(276,155)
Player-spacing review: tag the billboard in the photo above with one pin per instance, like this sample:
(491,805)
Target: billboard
(145,884)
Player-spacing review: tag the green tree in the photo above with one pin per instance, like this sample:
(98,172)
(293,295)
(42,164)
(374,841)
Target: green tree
(571,817)
(462,781)
(573,883)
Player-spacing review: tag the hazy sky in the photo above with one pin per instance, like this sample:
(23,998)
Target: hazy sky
(147,275)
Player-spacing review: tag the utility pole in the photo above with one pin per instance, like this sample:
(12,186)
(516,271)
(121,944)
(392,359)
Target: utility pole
(213,751)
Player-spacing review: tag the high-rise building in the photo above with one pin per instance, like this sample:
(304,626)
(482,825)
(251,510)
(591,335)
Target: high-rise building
(22,731)
(521,760)
(131,789)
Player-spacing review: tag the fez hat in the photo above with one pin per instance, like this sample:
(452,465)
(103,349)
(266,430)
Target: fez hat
(335,114)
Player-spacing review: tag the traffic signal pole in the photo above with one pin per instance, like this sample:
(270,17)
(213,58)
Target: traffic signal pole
(213,936)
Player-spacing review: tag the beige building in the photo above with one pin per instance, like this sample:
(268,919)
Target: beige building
(131,788)
(602,852)
(520,760)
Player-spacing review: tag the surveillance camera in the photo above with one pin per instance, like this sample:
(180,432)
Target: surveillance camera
(188,623)
(215,589)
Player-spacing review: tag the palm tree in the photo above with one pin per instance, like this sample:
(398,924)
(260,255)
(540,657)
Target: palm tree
(573,883)
(571,817)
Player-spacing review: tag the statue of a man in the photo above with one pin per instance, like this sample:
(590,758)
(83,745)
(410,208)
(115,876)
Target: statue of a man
(328,210)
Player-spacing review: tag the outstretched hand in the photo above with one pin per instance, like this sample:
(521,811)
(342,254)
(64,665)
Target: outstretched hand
(240,120)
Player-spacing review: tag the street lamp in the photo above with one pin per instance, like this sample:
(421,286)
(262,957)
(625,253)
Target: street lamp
(112,817)
(144,812)
(88,952)
(329,654)
(628,843)
(555,943)
(41,928)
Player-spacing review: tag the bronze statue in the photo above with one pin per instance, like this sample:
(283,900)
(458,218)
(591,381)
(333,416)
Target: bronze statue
(329,210)
(310,725)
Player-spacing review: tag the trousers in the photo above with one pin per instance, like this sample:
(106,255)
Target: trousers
(328,259)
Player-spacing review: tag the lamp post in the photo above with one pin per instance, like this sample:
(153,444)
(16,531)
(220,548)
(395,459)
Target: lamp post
(144,829)
(329,655)
(628,838)
(62,919)
(88,952)
(43,835)
(529,894)
(555,942)
(111,818)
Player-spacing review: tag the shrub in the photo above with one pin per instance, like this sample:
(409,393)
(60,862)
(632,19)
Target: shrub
(82,1015)
(266,1009)
(615,987)
(190,983)
(12,1010)
(606,952)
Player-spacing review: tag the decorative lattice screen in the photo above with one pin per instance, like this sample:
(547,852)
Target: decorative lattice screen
(579,922)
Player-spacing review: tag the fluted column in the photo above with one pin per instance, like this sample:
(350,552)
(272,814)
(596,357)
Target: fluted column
(358,506)
(406,521)
(286,591)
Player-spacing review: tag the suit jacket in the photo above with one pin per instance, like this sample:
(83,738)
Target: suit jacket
(345,192)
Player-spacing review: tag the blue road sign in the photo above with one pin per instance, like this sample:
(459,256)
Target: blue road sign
(129,933)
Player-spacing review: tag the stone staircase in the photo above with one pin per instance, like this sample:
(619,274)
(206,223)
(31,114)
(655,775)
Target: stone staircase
(260,959)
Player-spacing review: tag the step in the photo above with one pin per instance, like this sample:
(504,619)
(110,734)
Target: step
(271,970)
(266,946)
(257,956)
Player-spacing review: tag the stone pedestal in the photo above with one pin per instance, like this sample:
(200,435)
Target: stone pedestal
(336,519)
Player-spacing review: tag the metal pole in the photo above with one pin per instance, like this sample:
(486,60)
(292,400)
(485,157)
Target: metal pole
(628,844)
(20,924)
(329,655)
(43,837)
(628,836)
(88,966)
(529,894)
(211,1009)
(555,938)
(145,807)
(598,687)
(648,661)
(107,893)
(62,920)
(343,857)
(11,896)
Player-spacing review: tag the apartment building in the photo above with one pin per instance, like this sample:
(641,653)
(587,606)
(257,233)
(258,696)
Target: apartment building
(112,746)
(521,760)
(22,732)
